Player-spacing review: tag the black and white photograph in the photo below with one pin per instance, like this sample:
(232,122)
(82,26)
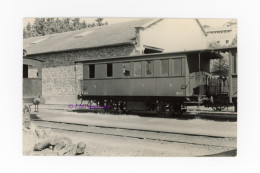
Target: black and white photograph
(163,87)
(129,86)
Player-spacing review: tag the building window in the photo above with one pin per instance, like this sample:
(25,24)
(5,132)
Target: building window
(92,71)
(148,68)
(109,70)
(126,69)
(227,41)
(164,67)
(138,69)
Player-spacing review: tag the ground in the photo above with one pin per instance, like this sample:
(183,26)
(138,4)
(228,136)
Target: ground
(102,144)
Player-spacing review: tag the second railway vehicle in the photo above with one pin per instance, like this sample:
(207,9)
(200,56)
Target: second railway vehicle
(161,82)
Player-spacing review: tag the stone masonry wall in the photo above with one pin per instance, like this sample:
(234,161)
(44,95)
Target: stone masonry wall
(61,77)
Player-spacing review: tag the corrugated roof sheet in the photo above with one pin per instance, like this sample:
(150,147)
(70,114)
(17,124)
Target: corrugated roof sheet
(96,37)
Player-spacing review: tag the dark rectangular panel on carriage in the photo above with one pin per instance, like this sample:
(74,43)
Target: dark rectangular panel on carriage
(194,60)
(85,71)
(100,71)
(117,70)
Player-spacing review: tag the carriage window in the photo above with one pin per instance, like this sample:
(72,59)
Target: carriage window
(149,68)
(29,71)
(176,67)
(164,67)
(25,71)
(92,71)
(109,70)
(126,69)
(137,68)
(32,72)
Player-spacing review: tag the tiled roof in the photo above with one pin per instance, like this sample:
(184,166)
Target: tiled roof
(119,33)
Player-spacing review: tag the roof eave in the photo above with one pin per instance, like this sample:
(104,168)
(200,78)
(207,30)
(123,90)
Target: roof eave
(201,27)
(78,49)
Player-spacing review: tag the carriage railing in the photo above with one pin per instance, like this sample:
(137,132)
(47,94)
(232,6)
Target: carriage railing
(217,86)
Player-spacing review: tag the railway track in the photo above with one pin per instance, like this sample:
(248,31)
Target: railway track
(160,136)
(223,116)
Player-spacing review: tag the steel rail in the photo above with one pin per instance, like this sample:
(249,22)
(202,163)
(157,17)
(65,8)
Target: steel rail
(130,136)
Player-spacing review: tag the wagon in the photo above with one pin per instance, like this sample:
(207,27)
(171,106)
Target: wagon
(160,82)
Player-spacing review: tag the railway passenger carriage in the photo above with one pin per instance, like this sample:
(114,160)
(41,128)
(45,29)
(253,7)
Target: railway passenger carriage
(160,82)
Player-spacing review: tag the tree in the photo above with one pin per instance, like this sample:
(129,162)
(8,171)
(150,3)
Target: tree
(67,26)
(219,67)
(214,45)
(58,25)
(76,23)
(50,28)
(99,21)
(83,24)
(28,26)
(40,26)
(45,26)
(234,41)
(24,33)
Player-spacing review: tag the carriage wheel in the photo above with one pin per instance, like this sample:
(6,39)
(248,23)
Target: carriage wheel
(109,105)
(101,107)
(218,107)
(123,107)
(164,109)
(177,109)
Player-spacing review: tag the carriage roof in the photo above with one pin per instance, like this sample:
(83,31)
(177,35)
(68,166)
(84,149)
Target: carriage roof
(210,53)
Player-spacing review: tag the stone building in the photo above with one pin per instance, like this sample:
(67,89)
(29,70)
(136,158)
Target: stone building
(224,35)
(61,77)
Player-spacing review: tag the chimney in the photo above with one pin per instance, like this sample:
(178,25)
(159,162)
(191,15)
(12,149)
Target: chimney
(138,45)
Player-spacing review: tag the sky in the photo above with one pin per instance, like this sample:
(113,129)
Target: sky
(210,22)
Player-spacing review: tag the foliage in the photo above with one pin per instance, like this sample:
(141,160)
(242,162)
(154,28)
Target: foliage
(234,41)
(99,21)
(214,45)
(219,67)
(45,26)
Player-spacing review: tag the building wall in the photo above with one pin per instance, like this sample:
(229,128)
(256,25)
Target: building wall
(174,35)
(61,77)
(224,38)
